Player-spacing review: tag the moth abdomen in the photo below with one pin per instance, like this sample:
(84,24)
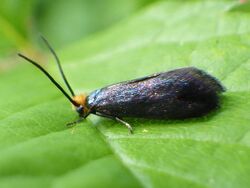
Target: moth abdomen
(178,94)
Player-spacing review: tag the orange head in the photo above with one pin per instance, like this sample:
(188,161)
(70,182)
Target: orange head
(82,110)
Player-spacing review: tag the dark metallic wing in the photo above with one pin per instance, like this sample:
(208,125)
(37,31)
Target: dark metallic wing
(141,79)
(178,94)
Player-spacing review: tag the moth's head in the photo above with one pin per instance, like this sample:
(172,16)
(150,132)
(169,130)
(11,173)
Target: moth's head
(82,110)
(78,101)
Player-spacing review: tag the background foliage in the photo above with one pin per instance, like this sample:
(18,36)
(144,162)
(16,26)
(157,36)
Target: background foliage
(37,150)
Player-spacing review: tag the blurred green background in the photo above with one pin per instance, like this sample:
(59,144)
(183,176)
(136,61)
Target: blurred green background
(62,22)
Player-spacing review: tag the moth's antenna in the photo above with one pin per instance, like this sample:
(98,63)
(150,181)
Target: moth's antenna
(51,79)
(58,64)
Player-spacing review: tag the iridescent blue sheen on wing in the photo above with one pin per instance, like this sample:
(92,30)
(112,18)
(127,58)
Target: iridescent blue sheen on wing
(178,94)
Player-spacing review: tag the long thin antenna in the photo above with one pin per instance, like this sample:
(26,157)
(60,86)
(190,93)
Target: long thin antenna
(51,79)
(58,64)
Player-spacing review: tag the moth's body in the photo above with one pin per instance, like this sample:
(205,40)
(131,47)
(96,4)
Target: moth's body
(177,94)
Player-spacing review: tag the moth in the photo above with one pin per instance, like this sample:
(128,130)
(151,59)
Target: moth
(177,94)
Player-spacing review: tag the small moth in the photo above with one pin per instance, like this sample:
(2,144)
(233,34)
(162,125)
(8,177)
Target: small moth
(176,94)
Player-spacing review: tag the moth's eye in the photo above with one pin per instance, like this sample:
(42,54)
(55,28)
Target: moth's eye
(79,109)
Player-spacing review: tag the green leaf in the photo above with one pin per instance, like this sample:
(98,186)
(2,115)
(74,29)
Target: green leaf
(14,15)
(82,15)
(20,21)
(36,149)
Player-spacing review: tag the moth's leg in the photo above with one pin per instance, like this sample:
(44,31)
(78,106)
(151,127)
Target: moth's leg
(117,119)
(125,123)
(72,124)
